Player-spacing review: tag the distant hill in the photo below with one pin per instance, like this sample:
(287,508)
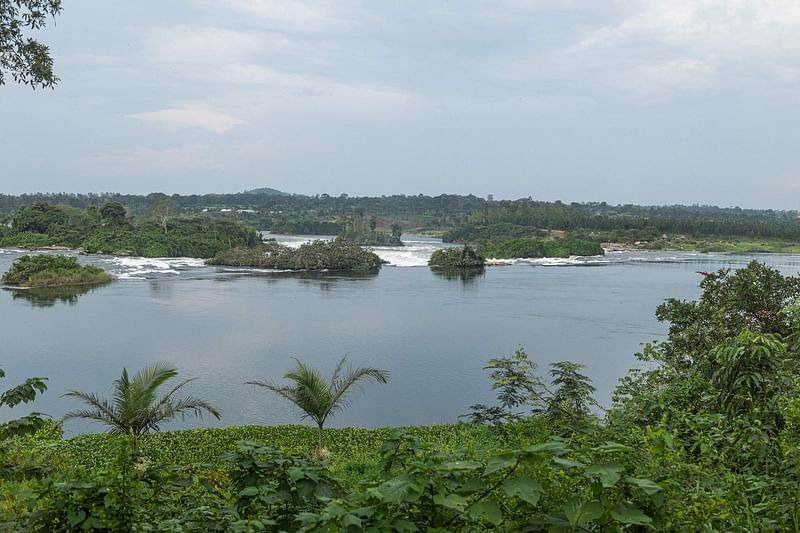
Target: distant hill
(267,190)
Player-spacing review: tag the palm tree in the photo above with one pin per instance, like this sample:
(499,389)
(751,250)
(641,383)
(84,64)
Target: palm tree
(135,408)
(317,398)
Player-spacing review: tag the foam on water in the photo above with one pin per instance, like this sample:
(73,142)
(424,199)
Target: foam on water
(142,267)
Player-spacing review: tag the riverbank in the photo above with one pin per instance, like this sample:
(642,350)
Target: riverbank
(679,244)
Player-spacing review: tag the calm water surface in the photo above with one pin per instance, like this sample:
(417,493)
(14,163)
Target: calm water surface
(433,334)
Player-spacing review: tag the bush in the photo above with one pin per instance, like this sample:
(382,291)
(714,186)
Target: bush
(318,255)
(465,257)
(43,271)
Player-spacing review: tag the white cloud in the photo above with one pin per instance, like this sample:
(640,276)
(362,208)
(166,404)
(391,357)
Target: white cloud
(311,16)
(146,162)
(204,45)
(660,51)
(177,118)
(657,81)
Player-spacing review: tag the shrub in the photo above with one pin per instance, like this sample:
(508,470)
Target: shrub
(42,271)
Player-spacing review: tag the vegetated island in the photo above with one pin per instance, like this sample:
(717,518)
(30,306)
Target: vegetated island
(319,255)
(457,258)
(53,271)
(108,229)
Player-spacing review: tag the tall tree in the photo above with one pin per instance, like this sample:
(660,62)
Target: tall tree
(28,60)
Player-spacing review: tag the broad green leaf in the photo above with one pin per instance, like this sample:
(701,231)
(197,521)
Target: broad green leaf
(649,486)
(499,462)
(607,473)
(460,465)
(628,514)
(488,510)
(552,447)
(451,501)
(76,517)
(396,490)
(524,488)
(611,447)
(566,463)
(249,491)
(581,513)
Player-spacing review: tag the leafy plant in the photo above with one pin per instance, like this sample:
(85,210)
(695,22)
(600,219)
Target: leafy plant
(136,408)
(23,393)
(320,399)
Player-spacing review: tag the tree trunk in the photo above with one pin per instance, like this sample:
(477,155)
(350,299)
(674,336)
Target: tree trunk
(320,436)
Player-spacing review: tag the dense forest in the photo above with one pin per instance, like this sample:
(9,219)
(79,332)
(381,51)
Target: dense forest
(463,217)
(321,214)
(600,222)
(108,229)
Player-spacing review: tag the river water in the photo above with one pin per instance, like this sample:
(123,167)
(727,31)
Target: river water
(225,326)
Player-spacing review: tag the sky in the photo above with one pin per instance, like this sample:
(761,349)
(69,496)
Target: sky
(629,101)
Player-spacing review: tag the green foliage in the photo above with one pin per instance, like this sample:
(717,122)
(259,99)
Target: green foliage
(53,270)
(572,398)
(108,230)
(113,213)
(517,385)
(336,255)
(534,248)
(465,257)
(752,298)
(28,60)
(318,398)
(363,230)
(628,223)
(136,408)
(23,393)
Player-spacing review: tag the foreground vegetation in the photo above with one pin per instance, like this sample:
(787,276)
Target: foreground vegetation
(53,271)
(108,229)
(335,255)
(706,438)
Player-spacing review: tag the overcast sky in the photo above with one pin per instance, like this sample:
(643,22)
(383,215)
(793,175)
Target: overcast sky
(668,101)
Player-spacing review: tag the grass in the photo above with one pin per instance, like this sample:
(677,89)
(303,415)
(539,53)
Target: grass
(354,451)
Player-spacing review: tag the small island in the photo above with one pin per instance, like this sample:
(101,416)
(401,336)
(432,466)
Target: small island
(456,258)
(53,271)
(335,255)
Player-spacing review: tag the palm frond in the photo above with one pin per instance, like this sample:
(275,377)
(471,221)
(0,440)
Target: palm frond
(102,409)
(353,378)
(134,408)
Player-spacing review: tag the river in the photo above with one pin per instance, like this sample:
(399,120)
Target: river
(225,326)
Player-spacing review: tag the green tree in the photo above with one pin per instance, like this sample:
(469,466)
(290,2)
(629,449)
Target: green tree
(517,385)
(24,393)
(318,398)
(28,60)
(113,213)
(573,395)
(135,407)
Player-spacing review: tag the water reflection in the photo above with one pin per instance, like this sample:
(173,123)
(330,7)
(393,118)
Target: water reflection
(467,276)
(50,297)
